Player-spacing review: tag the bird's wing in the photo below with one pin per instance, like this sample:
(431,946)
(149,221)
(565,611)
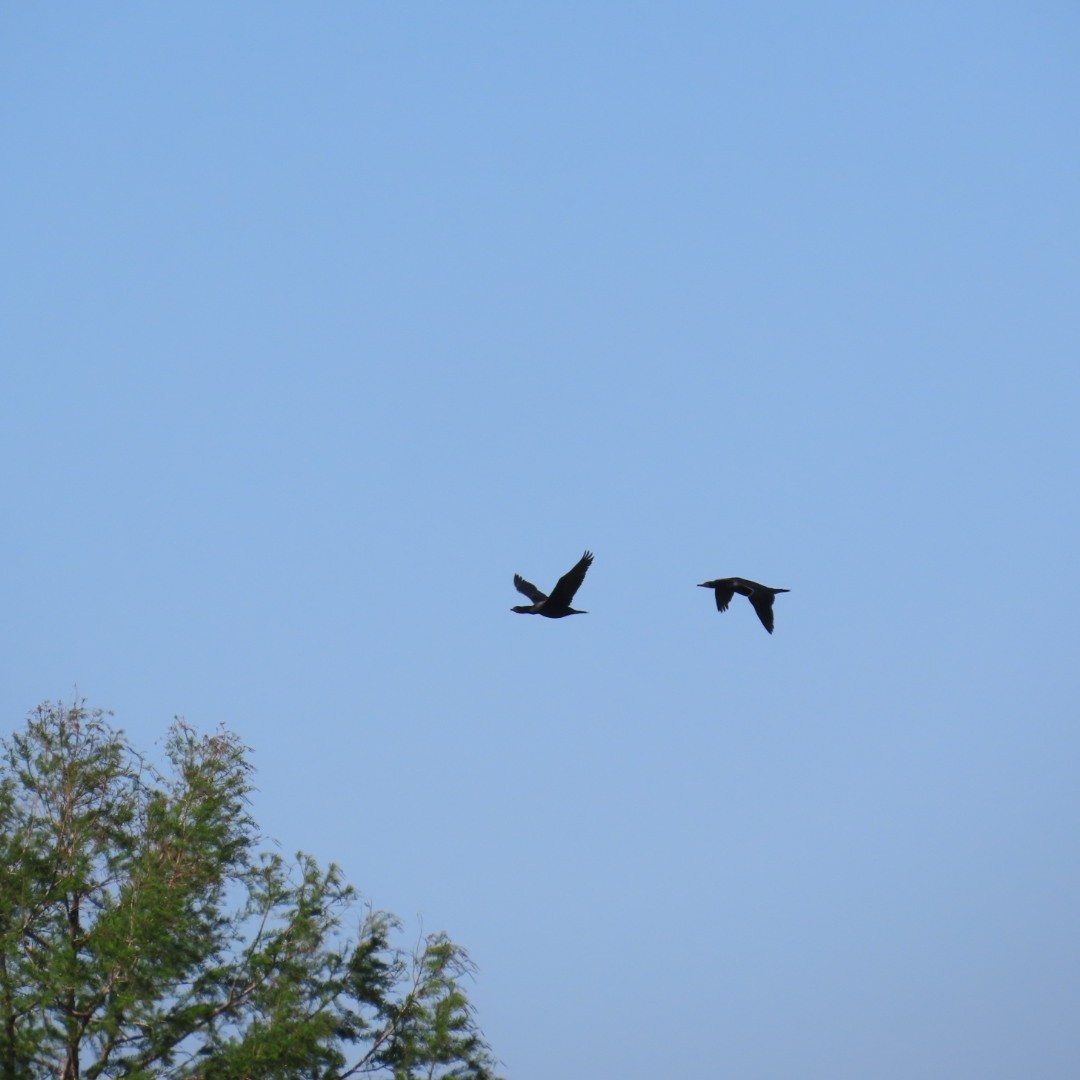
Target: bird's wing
(527,588)
(762,599)
(725,590)
(571,581)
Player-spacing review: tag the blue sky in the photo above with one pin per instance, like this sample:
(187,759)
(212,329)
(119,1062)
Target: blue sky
(320,323)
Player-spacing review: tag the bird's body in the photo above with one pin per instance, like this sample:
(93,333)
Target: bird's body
(557,604)
(760,596)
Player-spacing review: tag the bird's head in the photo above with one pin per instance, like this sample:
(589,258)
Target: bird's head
(522,609)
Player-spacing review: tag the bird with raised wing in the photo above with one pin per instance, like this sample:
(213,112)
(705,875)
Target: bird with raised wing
(760,596)
(557,604)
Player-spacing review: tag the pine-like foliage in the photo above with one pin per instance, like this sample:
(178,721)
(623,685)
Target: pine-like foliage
(143,935)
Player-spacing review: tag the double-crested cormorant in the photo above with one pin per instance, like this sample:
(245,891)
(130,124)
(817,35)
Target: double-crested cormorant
(557,604)
(760,596)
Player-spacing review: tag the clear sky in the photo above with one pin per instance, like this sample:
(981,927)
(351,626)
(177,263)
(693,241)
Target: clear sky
(321,321)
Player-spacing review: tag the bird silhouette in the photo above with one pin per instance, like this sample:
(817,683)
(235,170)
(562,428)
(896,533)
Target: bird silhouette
(760,596)
(557,604)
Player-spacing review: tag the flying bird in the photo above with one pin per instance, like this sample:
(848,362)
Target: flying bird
(760,596)
(557,604)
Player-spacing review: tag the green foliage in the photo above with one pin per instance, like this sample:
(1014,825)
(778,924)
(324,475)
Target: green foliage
(142,935)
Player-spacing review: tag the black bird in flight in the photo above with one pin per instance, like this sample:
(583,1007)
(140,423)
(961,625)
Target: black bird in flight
(760,596)
(557,604)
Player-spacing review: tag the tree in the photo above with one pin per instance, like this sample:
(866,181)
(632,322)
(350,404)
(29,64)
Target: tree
(143,935)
